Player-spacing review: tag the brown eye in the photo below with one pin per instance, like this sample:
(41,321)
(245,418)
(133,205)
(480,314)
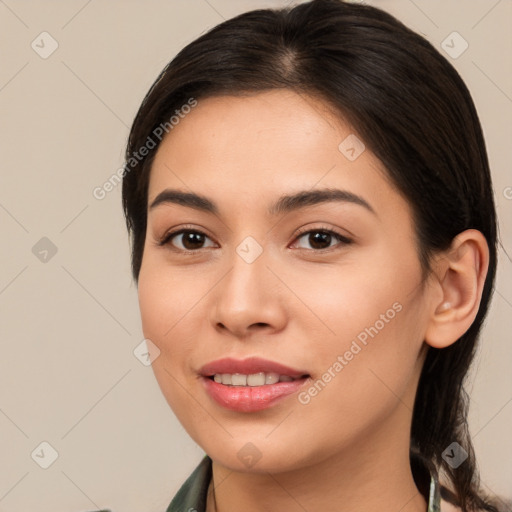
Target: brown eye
(190,239)
(320,239)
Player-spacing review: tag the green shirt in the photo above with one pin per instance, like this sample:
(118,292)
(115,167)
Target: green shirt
(192,495)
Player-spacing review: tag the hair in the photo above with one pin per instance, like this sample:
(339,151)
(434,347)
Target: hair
(413,111)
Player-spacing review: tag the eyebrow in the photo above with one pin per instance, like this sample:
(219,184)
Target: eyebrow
(284,204)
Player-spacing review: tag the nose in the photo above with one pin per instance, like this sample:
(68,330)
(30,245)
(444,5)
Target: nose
(249,299)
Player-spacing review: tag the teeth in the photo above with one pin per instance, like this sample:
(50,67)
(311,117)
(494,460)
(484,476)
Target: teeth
(238,379)
(254,379)
(271,378)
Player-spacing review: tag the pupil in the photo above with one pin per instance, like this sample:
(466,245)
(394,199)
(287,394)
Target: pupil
(320,237)
(195,239)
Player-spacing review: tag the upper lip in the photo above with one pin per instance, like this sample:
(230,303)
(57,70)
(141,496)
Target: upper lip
(248,366)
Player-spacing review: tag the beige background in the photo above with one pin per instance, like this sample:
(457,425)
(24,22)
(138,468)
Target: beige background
(69,325)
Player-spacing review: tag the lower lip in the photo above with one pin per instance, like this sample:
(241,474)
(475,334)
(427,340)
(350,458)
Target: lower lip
(251,398)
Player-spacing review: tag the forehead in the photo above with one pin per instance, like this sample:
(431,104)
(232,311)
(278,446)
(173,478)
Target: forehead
(257,147)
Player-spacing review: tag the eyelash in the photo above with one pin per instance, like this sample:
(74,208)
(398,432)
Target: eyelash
(343,240)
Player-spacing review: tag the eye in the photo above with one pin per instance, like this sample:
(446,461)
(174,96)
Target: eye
(191,239)
(321,238)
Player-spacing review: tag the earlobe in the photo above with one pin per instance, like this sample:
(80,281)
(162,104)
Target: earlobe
(460,274)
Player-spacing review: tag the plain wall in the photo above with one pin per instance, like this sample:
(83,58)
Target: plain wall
(70,320)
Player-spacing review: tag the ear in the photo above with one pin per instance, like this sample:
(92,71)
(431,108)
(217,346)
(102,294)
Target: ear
(459,275)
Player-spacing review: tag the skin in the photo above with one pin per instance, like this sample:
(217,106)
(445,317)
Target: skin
(297,303)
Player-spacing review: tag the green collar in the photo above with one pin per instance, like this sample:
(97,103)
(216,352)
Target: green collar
(192,495)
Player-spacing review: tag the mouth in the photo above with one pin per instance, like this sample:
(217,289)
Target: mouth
(253,379)
(251,398)
(252,384)
(253,369)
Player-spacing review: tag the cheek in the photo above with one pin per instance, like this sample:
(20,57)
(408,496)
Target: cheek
(364,376)
(173,309)
(154,300)
(372,332)
(361,294)
(166,311)
(166,299)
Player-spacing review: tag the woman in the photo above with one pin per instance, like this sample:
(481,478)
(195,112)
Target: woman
(314,242)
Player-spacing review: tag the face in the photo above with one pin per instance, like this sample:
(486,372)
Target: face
(329,287)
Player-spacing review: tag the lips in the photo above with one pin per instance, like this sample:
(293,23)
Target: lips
(246,396)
